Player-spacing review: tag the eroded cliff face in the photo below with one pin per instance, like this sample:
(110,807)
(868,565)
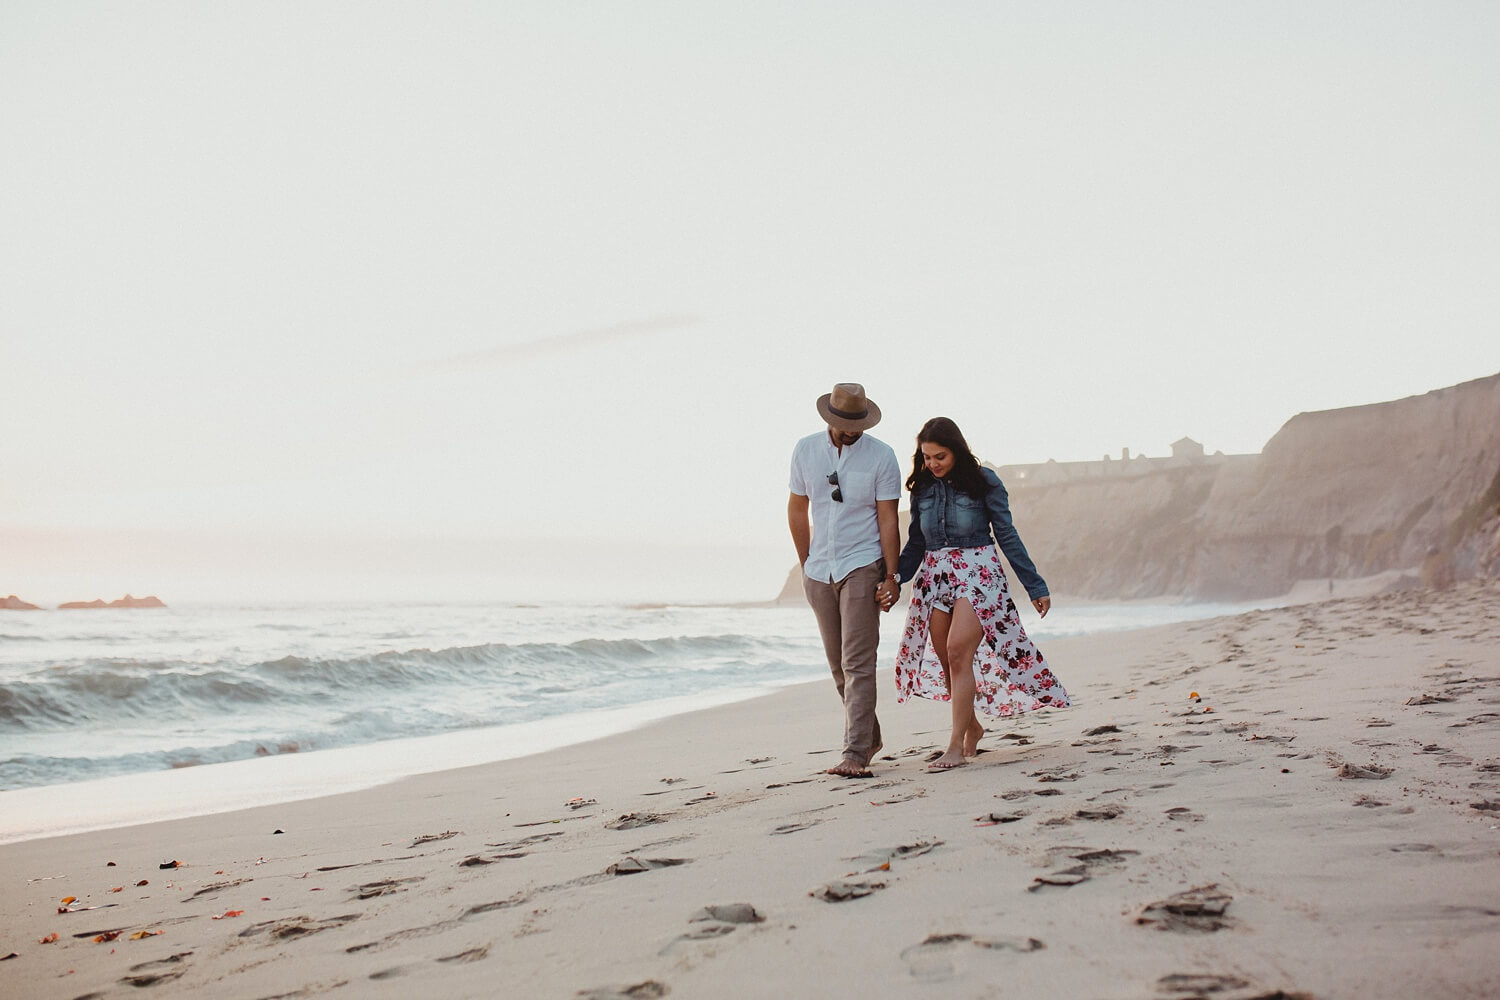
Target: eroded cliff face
(1412,483)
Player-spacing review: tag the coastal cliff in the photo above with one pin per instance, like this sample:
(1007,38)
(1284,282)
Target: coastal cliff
(1409,484)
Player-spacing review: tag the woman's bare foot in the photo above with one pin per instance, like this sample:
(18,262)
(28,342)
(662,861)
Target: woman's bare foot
(948,761)
(972,738)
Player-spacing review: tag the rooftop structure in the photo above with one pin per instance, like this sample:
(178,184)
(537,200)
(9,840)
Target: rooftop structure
(1185,453)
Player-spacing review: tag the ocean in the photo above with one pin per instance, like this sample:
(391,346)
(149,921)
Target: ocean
(363,693)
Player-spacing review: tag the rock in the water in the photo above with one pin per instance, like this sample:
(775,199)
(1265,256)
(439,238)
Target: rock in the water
(127,601)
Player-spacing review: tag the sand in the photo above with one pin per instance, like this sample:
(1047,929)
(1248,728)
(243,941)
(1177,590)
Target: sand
(1320,820)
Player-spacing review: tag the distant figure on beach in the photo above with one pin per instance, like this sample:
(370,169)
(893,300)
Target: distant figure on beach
(963,641)
(845,485)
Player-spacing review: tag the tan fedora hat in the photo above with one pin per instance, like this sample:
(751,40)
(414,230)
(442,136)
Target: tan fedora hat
(847,409)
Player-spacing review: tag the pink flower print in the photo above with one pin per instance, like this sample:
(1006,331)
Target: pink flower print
(1010,675)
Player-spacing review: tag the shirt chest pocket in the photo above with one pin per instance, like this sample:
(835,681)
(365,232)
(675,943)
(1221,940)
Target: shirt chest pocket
(857,487)
(968,514)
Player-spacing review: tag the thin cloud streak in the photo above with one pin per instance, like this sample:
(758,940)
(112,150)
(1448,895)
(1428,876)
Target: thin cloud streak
(556,344)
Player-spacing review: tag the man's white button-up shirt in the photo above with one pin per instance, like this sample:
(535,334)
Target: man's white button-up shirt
(845,536)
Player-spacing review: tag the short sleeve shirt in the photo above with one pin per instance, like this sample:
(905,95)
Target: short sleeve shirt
(845,536)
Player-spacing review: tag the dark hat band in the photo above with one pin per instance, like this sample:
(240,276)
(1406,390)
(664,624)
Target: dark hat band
(846,415)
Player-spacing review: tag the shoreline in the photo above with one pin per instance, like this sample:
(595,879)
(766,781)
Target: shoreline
(1322,820)
(230,786)
(113,801)
(117,800)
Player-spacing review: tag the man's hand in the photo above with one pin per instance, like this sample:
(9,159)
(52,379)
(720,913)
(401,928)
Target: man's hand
(797,519)
(887,594)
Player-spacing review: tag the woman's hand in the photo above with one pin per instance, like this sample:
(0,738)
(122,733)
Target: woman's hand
(1042,605)
(887,594)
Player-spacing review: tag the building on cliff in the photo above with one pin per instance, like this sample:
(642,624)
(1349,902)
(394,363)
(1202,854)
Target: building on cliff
(1185,453)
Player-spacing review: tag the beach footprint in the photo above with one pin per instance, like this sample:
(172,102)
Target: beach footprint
(163,970)
(648,990)
(843,890)
(384,887)
(1182,814)
(880,859)
(1200,910)
(394,972)
(633,821)
(716,921)
(940,957)
(1088,862)
(1062,878)
(1198,985)
(292,928)
(786,828)
(634,866)
(934,960)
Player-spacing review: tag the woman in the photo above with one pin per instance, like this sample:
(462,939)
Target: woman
(963,641)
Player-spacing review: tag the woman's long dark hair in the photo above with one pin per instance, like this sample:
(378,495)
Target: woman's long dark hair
(964,476)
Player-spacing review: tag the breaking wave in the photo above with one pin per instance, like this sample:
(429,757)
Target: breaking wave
(98,716)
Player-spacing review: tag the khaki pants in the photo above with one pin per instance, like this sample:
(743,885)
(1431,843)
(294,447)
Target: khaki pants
(849,621)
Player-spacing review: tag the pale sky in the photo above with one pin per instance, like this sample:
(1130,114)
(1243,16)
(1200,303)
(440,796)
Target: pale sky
(531,300)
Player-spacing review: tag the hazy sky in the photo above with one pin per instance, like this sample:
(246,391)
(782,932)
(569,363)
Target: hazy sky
(532,299)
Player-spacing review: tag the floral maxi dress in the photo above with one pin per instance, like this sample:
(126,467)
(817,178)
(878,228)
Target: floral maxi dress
(1009,673)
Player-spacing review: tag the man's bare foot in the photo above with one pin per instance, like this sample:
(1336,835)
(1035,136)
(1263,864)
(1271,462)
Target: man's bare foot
(878,747)
(848,768)
(972,738)
(948,761)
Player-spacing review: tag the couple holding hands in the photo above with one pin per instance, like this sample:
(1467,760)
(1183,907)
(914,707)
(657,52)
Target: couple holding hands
(963,642)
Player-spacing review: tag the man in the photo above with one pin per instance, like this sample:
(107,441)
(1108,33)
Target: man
(850,484)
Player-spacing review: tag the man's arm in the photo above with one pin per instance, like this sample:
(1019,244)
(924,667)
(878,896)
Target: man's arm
(797,520)
(890,536)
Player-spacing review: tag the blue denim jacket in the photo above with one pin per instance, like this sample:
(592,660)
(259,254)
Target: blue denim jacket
(943,517)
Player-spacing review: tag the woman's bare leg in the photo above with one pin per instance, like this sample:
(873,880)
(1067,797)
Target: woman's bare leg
(962,634)
(937,637)
(971,742)
(938,626)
